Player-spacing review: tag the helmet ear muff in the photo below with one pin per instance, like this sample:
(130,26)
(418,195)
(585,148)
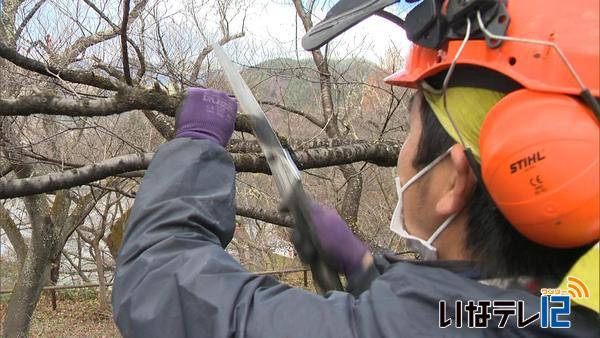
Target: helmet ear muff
(539,160)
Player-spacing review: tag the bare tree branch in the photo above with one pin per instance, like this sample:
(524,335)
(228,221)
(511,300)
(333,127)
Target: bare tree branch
(204,53)
(27,18)
(117,190)
(264,215)
(77,269)
(252,146)
(110,70)
(86,42)
(138,51)
(126,100)
(381,154)
(306,115)
(84,206)
(353,193)
(324,76)
(161,124)
(126,71)
(5,169)
(13,234)
(75,177)
(75,76)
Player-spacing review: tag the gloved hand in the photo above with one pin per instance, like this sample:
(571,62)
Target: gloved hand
(206,114)
(339,245)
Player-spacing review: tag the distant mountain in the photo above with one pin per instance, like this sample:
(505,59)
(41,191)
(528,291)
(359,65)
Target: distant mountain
(295,84)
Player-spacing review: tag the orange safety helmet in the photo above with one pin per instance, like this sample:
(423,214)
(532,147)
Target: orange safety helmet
(572,25)
(539,146)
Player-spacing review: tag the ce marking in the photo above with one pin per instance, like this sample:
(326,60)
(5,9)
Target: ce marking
(536,181)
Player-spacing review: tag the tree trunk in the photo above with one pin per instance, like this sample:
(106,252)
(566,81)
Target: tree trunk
(54,274)
(7,22)
(27,292)
(32,276)
(352,195)
(102,290)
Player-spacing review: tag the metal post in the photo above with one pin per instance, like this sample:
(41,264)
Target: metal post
(305,278)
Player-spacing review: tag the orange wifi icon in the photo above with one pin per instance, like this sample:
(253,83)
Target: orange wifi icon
(577,288)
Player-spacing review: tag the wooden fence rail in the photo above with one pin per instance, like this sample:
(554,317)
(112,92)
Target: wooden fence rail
(95,285)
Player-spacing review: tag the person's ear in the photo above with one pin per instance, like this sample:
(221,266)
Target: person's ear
(461,189)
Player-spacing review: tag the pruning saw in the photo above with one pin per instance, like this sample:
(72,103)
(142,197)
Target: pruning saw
(285,173)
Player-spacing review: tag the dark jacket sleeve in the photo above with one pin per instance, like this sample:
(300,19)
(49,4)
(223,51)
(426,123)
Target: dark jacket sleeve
(174,278)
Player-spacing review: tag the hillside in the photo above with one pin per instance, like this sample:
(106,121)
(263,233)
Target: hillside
(295,84)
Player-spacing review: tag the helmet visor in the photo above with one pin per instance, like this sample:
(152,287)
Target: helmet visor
(345,14)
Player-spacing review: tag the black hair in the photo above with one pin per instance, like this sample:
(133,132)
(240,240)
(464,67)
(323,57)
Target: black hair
(498,248)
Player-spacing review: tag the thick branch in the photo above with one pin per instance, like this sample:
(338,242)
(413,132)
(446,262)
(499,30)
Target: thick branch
(124,101)
(161,124)
(382,154)
(85,42)
(87,78)
(8,16)
(13,234)
(252,146)
(268,216)
(74,177)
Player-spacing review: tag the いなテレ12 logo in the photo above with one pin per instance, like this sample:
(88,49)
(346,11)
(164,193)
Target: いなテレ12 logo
(555,304)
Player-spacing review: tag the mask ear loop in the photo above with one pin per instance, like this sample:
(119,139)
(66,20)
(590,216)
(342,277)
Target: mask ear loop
(586,95)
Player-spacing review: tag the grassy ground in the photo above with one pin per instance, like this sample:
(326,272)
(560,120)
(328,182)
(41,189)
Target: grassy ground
(78,314)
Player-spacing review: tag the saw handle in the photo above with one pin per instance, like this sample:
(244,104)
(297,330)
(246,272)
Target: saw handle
(306,243)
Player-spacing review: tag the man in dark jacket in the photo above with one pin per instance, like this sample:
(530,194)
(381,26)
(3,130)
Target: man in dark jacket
(174,278)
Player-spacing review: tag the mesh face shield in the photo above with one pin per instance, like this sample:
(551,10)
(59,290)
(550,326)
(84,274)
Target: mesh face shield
(428,23)
(347,13)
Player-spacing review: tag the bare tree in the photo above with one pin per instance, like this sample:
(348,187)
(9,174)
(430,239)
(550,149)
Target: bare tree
(89,91)
(93,233)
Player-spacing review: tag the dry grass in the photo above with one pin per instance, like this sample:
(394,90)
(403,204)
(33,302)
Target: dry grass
(75,316)
(78,312)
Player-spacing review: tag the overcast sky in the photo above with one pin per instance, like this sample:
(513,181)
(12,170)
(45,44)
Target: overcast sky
(273,23)
(272,28)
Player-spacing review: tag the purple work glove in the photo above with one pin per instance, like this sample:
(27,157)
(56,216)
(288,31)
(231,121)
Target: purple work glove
(339,245)
(206,114)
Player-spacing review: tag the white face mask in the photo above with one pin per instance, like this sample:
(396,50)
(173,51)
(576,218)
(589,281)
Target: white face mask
(424,248)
